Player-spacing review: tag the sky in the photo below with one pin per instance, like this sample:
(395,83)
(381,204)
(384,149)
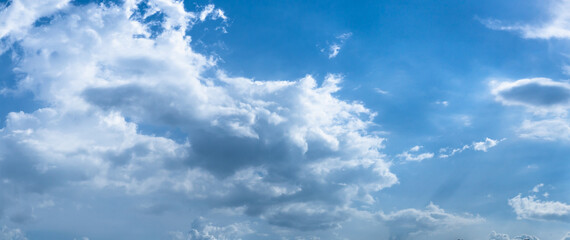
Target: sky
(192,120)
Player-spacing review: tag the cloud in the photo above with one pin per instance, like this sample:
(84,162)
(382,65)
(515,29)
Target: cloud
(531,208)
(501,236)
(335,47)
(533,93)
(12,234)
(383,92)
(287,152)
(21,14)
(443,103)
(537,187)
(409,156)
(566,237)
(556,27)
(548,129)
(213,12)
(408,223)
(202,230)
(546,100)
(483,146)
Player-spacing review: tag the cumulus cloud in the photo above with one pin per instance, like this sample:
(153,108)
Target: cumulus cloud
(546,100)
(410,156)
(21,14)
(537,93)
(531,208)
(409,223)
(557,26)
(501,236)
(202,230)
(483,146)
(287,152)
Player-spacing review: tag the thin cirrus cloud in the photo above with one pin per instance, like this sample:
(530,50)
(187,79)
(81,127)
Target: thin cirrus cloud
(300,157)
(556,27)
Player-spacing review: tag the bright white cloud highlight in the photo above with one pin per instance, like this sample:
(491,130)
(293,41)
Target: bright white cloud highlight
(531,208)
(547,102)
(411,156)
(335,47)
(483,146)
(558,26)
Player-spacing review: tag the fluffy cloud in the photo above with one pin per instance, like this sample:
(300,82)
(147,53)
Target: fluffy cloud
(546,100)
(201,230)
(537,93)
(407,223)
(409,156)
(21,14)
(556,27)
(531,208)
(128,107)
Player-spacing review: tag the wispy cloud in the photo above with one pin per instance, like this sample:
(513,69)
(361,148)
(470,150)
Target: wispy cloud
(336,46)
(558,26)
(409,223)
(412,155)
(483,146)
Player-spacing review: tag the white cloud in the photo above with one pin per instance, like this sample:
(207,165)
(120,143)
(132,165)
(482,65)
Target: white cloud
(539,95)
(566,237)
(549,129)
(265,146)
(409,223)
(16,18)
(483,146)
(501,236)
(558,26)
(213,12)
(409,156)
(443,103)
(335,47)
(383,92)
(531,208)
(547,102)
(202,230)
(537,187)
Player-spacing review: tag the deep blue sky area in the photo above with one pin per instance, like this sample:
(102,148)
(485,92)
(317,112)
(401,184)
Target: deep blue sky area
(166,119)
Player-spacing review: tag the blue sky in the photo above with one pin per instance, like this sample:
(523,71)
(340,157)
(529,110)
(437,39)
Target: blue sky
(163,119)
